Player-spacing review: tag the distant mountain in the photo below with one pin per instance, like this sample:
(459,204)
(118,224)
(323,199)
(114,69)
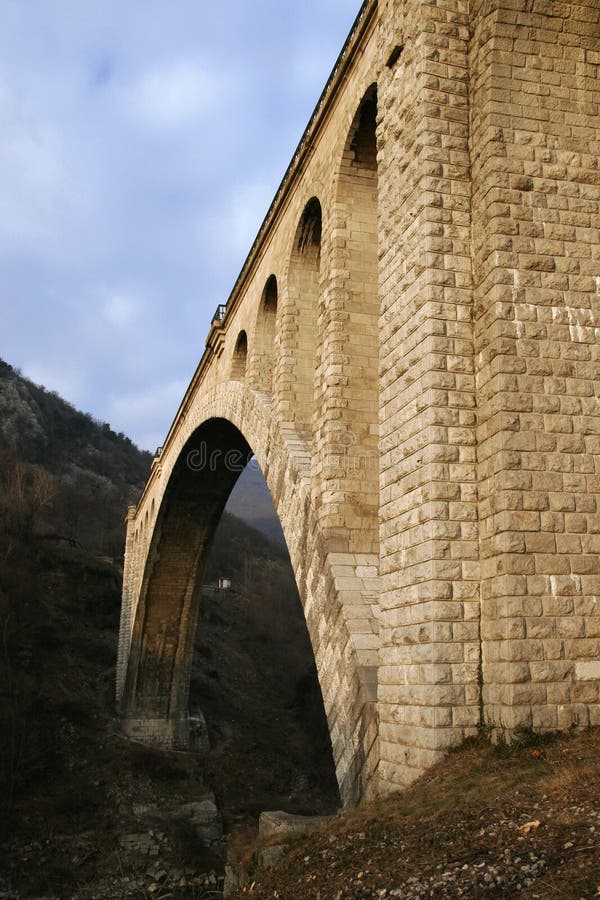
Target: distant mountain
(43,428)
(251,502)
(87,473)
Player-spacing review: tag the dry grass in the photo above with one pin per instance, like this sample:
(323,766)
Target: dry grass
(466,815)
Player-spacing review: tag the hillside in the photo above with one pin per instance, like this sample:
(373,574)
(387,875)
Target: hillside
(255,680)
(75,474)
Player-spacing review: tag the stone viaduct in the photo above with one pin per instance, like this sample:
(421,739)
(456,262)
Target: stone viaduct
(412,353)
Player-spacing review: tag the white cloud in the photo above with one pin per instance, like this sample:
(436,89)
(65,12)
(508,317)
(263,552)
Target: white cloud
(6,101)
(174,93)
(250,205)
(306,67)
(241,215)
(32,172)
(140,149)
(121,309)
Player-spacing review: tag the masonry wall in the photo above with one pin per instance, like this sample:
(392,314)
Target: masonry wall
(535,144)
(429,653)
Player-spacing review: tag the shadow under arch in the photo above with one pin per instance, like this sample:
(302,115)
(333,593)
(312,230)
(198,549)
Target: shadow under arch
(157,682)
(254,680)
(198,472)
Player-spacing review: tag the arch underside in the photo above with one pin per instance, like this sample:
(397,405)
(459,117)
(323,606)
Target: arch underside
(198,473)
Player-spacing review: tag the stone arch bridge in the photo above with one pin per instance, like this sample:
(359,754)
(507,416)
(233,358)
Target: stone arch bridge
(412,353)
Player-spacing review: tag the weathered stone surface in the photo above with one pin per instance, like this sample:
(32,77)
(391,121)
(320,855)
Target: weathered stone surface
(275,829)
(412,352)
(205,818)
(234,881)
(275,824)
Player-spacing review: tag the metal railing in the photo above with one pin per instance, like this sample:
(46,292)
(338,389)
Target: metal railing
(219,313)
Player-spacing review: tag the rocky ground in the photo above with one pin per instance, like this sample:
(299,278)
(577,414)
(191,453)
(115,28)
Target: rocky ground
(494,822)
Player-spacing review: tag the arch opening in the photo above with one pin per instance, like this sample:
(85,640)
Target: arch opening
(174,664)
(297,343)
(239,358)
(272,733)
(265,334)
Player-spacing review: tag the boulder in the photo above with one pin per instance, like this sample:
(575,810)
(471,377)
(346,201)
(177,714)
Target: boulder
(274,824)
(202,814)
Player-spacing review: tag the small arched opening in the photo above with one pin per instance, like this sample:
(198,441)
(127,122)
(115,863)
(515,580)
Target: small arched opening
(240,355)
(264,356)
(298,327)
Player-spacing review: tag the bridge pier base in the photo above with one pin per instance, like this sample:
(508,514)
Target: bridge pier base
(164,734)
(357,769)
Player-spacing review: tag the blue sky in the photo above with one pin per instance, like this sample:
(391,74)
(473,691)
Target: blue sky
(142,142)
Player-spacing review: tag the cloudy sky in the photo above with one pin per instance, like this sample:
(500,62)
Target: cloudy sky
(141,144)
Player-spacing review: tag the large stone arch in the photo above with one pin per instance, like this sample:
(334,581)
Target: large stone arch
(487,571)
(229,422)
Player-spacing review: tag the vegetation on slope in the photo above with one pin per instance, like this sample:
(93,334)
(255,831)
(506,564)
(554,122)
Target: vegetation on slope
(65,482)
(63,472)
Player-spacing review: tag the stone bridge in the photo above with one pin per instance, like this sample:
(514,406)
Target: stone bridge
(412,353)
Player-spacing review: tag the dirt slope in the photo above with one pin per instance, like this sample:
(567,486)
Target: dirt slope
(487,822)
